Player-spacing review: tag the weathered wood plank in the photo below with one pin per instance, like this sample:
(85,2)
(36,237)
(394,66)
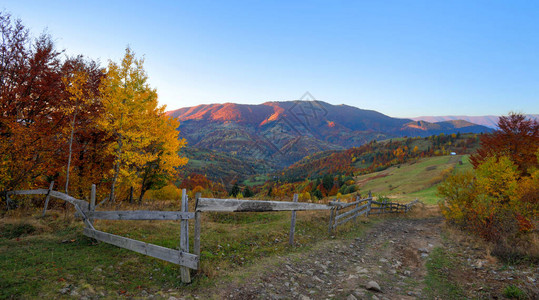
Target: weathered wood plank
(198,228)
(235,205)
(350,218)
(84,218)
(174,256)
(29,192)
(82,204)
(140,215)
(48,198)
(345,205)
(91,208)
(350,212)
(332,219)
(184,237)
(293,223)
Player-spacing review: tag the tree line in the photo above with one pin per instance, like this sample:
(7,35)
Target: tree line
(69,120)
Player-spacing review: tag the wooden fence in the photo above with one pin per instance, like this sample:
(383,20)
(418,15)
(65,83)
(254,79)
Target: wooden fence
(87,212)
(341,213)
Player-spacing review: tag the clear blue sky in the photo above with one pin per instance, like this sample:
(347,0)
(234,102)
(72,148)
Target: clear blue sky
(402,58)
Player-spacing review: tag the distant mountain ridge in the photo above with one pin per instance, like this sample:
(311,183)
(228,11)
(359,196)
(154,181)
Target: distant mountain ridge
(488,121)
(284,132)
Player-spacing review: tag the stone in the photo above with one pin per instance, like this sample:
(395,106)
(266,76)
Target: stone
(351,297)
(423,250)
(375,298)
(65,289)
(303,297)
(362,270)
(373,286)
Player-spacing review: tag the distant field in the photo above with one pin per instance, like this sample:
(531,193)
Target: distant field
(413,180)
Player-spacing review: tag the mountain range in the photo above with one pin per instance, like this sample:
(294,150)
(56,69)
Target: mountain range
(281,133)
(488,121)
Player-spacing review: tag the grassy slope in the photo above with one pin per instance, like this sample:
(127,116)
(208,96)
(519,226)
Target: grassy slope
(412,180)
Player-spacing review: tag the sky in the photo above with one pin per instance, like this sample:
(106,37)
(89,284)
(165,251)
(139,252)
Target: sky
(401,58)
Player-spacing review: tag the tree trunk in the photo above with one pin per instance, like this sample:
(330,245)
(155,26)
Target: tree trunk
(70,151)
(116,170)
(131,195)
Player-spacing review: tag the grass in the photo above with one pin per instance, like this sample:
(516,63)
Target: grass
(439,270)
(413,180)
(41,256)
(514,292)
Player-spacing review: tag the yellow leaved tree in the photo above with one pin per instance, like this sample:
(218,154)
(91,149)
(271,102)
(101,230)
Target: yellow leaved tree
(142,134)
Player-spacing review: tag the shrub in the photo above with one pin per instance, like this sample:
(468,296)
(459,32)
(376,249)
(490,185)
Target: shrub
(494,203)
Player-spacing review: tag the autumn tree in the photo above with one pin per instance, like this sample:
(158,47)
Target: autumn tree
(164,147)
(144,138)
(516,138)
(81,81)
(31,92)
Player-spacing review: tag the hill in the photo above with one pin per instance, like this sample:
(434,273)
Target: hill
(376,156)
(282,133)
(221,167)
(488,121)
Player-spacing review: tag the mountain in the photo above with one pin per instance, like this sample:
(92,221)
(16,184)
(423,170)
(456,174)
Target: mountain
(281,133)
(488,121)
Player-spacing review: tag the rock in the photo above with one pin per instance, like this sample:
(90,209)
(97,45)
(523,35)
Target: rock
(423,250)
(375,298)
(351,297)
(393,271)
(424,255)
(383,260)
(531,279)
(351,276)
(359,293)
(407,273)
(65,289)
(373,286)
(362,270)
(303,297)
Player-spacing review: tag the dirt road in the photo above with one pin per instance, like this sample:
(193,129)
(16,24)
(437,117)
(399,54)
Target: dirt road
(392,254)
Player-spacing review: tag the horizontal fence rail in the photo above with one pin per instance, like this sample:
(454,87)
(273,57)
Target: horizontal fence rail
(140,215)
(174,256)
(235,205)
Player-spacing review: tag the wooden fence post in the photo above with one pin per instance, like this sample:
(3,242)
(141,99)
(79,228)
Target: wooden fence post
(92,202)
(331,218)
(357,205)
(370,204)
(48,198)
(198,229)
(184,237)
(293,224)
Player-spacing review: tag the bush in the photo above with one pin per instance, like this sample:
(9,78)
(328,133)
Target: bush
(494,203)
